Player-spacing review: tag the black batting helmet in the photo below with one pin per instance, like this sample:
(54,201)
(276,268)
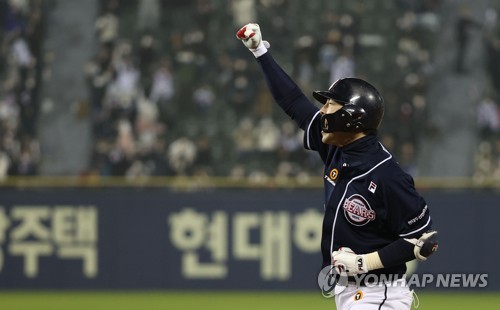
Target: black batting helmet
(362,110)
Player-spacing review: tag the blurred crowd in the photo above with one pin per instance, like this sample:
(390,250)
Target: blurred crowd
(173,92)
(487,155)
(21,39)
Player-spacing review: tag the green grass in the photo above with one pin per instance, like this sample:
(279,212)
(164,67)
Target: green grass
(42,300)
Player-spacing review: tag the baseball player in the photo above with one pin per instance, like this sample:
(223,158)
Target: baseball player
(375,221)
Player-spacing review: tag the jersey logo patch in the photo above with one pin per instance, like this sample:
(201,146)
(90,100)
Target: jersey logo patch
(358,295)
(334,174)
(357,210)
(373,187)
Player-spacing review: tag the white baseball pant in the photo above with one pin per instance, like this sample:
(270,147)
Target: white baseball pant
(393,296)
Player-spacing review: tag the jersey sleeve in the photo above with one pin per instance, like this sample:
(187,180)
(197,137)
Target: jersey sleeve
(286,93)
(294,103)
(407,212)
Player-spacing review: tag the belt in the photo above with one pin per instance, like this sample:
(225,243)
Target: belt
(361,281)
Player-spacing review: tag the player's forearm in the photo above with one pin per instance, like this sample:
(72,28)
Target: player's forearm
(396,253)
(402,251)
(285,92)
(393,254)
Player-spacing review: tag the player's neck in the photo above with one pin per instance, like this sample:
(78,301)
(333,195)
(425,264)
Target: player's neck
(348,138)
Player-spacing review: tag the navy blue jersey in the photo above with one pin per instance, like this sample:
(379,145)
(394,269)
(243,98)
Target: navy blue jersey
(369,201)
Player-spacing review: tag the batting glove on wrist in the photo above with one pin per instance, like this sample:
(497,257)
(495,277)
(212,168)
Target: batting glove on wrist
(426,245)
(252,38)
(346,261)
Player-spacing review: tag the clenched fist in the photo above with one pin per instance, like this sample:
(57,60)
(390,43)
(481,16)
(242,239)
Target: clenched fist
(251,37)
(345,260)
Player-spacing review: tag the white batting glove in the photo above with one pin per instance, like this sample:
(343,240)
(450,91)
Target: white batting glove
(252,38)
(426,245)
(345,260)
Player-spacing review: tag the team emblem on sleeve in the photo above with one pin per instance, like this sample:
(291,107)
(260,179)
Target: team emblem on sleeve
(334,174)
(358,211)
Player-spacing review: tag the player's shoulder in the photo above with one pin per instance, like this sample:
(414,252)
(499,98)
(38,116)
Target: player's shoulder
(391,172)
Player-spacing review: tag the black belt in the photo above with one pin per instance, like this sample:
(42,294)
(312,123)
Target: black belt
(361,280)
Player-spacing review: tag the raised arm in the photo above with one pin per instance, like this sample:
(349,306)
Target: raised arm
(284,90)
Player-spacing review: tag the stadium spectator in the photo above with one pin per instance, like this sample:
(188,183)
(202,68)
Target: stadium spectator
(464,24)
(488,118)
(165,67)
(20,70)
(181,155)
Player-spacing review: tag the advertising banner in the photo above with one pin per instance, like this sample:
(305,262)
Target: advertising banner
(154,238)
